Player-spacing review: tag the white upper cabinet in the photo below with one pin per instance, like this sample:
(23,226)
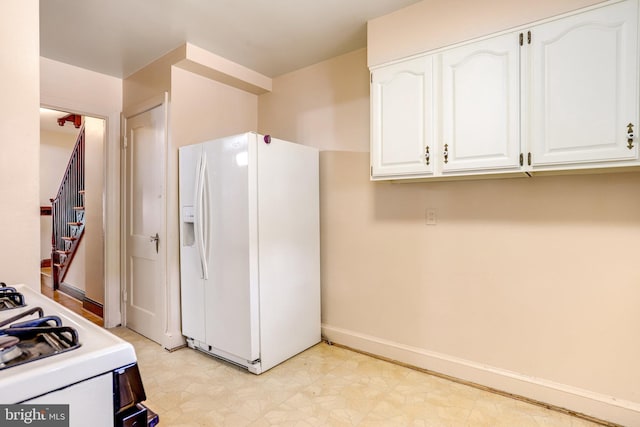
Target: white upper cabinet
(557,95)
(402,119)
(582,88)
(481,106)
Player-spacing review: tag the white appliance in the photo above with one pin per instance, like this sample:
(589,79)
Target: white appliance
(250,249)
(88,368)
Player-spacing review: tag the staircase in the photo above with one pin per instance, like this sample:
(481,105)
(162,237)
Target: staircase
(67,212)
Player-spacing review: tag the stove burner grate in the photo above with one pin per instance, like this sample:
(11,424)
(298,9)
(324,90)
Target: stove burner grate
(36,343)
(9,299)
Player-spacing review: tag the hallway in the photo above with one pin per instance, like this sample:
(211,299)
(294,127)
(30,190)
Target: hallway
(69,302)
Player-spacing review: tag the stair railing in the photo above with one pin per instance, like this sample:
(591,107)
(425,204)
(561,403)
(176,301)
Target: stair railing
(67,211)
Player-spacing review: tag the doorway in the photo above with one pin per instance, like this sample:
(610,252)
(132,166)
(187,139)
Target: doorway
(83,285)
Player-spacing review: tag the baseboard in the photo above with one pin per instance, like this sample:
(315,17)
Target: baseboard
(93,306)
(584,403)
(87,303)
(71,291)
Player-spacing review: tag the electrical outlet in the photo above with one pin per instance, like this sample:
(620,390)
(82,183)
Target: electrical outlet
(430,216)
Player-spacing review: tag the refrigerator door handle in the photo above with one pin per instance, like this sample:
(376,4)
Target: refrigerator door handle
(205,218)
(200,217)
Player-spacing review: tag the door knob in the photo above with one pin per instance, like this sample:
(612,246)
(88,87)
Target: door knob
(156,239)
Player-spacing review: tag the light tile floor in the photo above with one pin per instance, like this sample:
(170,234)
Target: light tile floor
(323,386)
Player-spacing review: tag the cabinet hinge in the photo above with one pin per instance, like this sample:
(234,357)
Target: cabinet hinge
(124,142)
(528,37)
(529,158)
(371,78)
(521,159)
(521,39)
(371,173)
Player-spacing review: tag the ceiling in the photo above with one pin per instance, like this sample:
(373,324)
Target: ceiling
(272,37)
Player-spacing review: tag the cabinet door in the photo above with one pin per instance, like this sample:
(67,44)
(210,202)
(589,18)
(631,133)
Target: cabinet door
(480,106)
(402,119)
(583,91)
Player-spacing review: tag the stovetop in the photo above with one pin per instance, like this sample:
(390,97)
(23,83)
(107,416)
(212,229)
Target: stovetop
(67,348)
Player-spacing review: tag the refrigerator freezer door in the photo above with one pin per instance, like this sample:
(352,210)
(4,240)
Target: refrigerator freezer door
(191,280)
(231,295)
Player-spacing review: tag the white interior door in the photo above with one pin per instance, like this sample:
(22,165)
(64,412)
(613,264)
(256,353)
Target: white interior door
(145,237)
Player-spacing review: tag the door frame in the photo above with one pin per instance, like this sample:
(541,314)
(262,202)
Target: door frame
(156,101)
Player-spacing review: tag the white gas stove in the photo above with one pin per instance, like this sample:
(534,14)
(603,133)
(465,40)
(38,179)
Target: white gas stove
(54,356)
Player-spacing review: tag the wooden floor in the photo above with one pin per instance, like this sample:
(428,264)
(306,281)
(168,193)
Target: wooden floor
(46,287)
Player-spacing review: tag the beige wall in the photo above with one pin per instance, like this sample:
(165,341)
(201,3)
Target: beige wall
(526,285)
(19,144)
(150,81)
(315,114)
(76,276)
(68,88)
(431,24)
(55,150)
(203,109)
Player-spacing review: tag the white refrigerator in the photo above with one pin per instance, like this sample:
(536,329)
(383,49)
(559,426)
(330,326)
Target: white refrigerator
(250,249)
